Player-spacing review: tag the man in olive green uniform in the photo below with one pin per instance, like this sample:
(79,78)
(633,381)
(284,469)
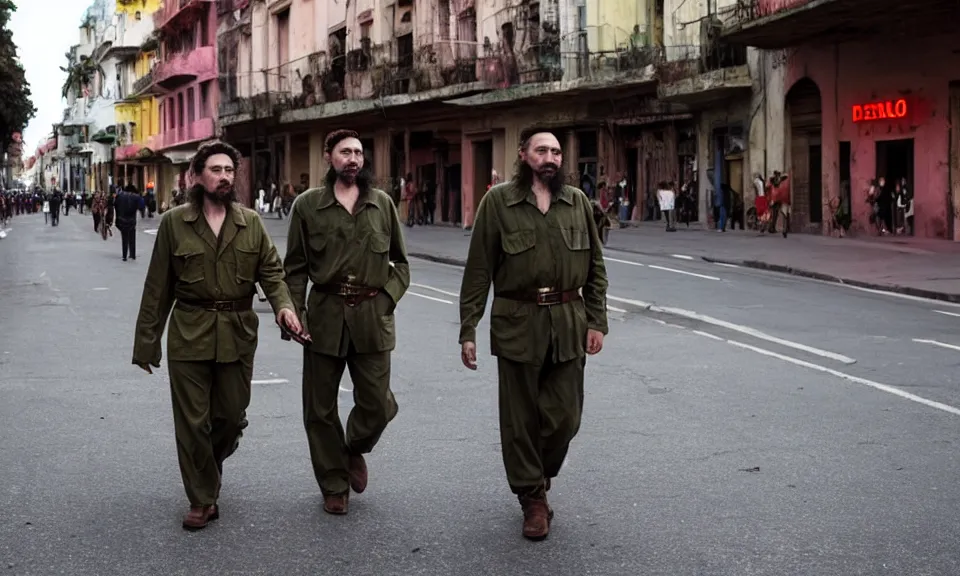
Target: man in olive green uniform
(346,238)
(536,241)
(208,255)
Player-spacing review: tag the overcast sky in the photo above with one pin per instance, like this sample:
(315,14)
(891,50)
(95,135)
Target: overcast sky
(44,30)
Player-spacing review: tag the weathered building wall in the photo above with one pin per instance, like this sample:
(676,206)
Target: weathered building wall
(610,23)
(850,74)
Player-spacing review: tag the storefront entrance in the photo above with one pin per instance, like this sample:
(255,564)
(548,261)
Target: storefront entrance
(805,166)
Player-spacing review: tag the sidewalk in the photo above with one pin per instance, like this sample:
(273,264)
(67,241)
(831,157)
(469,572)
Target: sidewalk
(919,267)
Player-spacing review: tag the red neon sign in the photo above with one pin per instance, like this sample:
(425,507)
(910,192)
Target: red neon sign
(888,110)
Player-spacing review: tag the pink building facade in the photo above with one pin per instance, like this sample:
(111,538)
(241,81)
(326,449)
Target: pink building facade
(187,76)
(875,109)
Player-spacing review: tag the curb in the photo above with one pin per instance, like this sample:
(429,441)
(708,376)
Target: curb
(758,265)
(438,259)
(896,289)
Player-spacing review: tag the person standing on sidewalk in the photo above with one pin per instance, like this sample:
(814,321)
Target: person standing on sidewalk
(127,205)
(536,241)
(208,256)
(346,238)
(780,202)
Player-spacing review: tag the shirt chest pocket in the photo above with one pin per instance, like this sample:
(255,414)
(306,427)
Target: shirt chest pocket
(575,239)
(248,260)
(379,242)
(519,243)
(188,262)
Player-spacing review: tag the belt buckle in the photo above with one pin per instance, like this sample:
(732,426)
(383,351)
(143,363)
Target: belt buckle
(347,290)
(222,306)
(547,297)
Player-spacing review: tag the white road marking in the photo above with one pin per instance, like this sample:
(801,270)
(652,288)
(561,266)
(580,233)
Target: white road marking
(620,310)
(851,378)
(683,256)
(725,265)
(899,295)
(617,260)
(940,344)
(945,313)
(429,297)
(735,327)
(342,389)
(152,231)
(271,381)
(705,277)
(708,335)
(100,289)
(454,294)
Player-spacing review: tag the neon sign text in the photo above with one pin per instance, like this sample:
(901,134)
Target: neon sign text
(889,110)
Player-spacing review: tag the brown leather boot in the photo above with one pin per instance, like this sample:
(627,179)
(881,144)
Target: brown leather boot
(536,517)
(336,503)
(358,474)
(199,516)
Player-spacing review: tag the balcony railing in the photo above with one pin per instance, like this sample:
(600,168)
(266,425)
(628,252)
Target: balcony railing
(175,9)
(778,24)
(143,83)
(188,134)
(176,69)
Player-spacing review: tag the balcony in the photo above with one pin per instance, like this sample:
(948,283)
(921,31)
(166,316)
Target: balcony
(191,133)
(702,79)
(175,11)
(779,24)
(126,153)
(199,64)
(143,84)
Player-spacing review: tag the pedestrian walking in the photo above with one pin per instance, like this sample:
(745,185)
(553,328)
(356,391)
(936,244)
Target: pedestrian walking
(536,241)
(127,205)
(206,260)
(346,238)
(56,201)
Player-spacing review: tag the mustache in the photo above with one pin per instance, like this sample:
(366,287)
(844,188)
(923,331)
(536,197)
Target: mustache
(549,166)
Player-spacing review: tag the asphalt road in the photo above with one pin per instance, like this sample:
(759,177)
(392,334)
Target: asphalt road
(736,423)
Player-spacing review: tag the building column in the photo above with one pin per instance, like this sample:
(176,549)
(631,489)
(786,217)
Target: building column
(571,154)
(381,159)
(318,164)
(467,179)
(407,160)
(287,169)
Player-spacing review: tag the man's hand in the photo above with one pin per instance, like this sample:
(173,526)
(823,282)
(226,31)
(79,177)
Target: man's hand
(146,367)
(594,341)
(287,318)
(468,355)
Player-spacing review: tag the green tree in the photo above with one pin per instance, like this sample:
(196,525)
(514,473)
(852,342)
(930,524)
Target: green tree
(16,106)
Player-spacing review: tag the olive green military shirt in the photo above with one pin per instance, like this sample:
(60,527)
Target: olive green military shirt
(328,245)
(189,263)
(518,248)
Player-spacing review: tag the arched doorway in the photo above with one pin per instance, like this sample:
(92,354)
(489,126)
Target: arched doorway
(804,164)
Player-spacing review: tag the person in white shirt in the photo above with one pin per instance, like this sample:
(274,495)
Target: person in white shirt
(667,197)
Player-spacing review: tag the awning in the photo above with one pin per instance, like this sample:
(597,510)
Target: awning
(180,156)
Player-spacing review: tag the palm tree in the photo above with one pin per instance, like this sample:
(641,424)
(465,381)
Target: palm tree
(81,74)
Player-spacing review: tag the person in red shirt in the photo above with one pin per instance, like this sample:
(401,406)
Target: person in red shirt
(779,192)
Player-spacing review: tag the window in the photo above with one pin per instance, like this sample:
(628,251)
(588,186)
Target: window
(205,111)
(180,110)
(191,105)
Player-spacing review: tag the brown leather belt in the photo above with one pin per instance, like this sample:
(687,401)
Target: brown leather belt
(542,296)
(351,293)
(241,305)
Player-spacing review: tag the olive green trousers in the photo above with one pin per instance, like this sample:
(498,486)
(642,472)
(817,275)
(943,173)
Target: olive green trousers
(210,400)
(374,408)
(540,410)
